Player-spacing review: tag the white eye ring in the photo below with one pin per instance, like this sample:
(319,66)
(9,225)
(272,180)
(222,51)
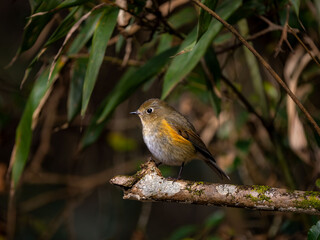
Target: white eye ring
(149,110)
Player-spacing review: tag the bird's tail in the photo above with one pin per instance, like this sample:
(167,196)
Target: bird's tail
(213,165)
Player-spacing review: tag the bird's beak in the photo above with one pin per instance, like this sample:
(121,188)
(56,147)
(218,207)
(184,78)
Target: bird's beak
(136,112)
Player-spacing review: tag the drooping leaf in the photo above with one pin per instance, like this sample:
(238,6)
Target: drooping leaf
(254,72)
(296,6)
(100,40)
(36,24)
(130,81)
(76,85)
(121,143)
(85,33)
(205,17)
(213,66)
(179,19)
(183,232)
(119,43)
(34,4)
(183,64)
(24,129)
(63,28)
(71,3)
(314,232)
(215,219)
(186,49)
(164,42)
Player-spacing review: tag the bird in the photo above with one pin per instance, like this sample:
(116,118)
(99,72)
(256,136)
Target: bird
(171,138)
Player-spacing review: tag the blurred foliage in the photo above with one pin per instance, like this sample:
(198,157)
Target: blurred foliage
(105,58)
(314,232)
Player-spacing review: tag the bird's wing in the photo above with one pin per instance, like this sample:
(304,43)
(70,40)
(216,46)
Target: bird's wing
(188,132)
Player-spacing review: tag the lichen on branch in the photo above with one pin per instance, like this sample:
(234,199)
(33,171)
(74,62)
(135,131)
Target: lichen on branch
(148,184)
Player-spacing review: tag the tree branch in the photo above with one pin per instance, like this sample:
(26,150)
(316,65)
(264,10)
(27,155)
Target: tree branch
(149,185)
(263,62)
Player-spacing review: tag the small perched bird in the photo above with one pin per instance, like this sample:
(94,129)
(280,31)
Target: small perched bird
(171,138)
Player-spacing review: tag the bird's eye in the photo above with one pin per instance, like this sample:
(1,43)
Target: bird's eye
(149,110)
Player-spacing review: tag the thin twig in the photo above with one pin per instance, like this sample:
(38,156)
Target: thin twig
(284,35)
(263,62)
(163,8)
(303,45)
(271,27)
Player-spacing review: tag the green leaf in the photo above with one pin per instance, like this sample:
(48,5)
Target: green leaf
(85,33)
(183,232)
(24,129)
(71,3)
(314,232)
(244,145)
(119,43)
(131,80)
(76,86)
(254,72)
(44,6)
(121,143)
(165,42)
(205,17)
(36,24)
(215,219)
(100,40)
(179,19)
(296,6)
(318,182)
(63,28)
(214,68)
(182,65)
(34,4)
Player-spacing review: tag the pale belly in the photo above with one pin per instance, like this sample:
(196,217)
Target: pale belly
(168,151)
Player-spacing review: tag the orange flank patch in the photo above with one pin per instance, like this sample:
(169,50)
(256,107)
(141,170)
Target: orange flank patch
(176,137)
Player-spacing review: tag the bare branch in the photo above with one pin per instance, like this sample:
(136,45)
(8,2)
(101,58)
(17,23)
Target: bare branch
(263,62)
(149,185)
(284,35)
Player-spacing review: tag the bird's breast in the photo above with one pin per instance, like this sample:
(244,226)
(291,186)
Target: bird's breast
(166,145)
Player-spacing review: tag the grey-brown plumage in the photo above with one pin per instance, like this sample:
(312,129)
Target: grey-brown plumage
(171,138)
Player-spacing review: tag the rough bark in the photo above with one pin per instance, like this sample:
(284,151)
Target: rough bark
(148,184)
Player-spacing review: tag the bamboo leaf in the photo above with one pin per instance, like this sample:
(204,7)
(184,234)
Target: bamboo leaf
(100,40)
(71,3)
(205,18)
(214,67)
(254,72)
(63,28)
(183,64)
(296,6)
(179,19)
(24,130)
(314,232)
(85,33)
(76,86)
(36,24)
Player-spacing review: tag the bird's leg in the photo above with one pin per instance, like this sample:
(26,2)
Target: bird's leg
(180,171)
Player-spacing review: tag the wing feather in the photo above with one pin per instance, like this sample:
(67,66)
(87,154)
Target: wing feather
(187,131)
